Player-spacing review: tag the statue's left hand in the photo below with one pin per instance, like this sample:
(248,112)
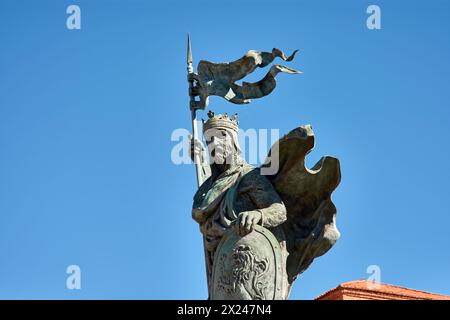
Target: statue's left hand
(246,221)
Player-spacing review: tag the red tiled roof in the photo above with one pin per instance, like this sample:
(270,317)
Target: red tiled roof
(368,290)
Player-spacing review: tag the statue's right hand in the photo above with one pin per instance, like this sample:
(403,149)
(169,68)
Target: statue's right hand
(196,147)
(246,221)
(192,76)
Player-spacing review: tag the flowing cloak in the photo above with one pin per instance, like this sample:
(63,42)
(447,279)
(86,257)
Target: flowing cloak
(310,228)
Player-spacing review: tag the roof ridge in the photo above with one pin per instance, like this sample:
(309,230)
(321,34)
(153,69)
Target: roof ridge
(384,289)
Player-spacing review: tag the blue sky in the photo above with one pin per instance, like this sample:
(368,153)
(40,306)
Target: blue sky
(86,117)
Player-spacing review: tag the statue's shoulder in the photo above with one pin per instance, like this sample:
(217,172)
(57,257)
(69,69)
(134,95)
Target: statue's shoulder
(199,194)
(248,172)
(253,178)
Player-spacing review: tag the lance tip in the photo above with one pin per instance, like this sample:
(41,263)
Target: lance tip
(189,51)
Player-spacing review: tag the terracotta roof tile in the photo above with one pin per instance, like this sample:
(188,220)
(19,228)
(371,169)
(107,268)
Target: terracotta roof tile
(367,290)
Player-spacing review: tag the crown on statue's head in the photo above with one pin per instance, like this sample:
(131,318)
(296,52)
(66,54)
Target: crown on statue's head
(220,121)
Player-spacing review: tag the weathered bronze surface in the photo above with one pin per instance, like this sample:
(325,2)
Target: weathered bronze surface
(260,231)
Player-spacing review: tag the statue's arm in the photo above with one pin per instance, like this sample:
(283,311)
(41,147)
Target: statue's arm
(204,167)
(273,215)
(267,201)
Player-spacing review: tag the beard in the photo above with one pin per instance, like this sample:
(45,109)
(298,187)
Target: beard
(222,155)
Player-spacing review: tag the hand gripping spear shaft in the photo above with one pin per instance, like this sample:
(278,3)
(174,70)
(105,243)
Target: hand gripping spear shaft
(193,107)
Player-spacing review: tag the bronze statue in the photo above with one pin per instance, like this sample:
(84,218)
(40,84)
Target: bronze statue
(260,231)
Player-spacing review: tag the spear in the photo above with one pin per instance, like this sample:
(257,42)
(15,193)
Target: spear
(193,106)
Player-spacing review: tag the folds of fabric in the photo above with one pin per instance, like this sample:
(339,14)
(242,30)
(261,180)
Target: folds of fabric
(219,79)
(310,227)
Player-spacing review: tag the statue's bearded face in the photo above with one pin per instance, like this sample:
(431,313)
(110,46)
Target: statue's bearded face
(221,145)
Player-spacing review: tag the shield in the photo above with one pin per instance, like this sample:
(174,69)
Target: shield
(248,268)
